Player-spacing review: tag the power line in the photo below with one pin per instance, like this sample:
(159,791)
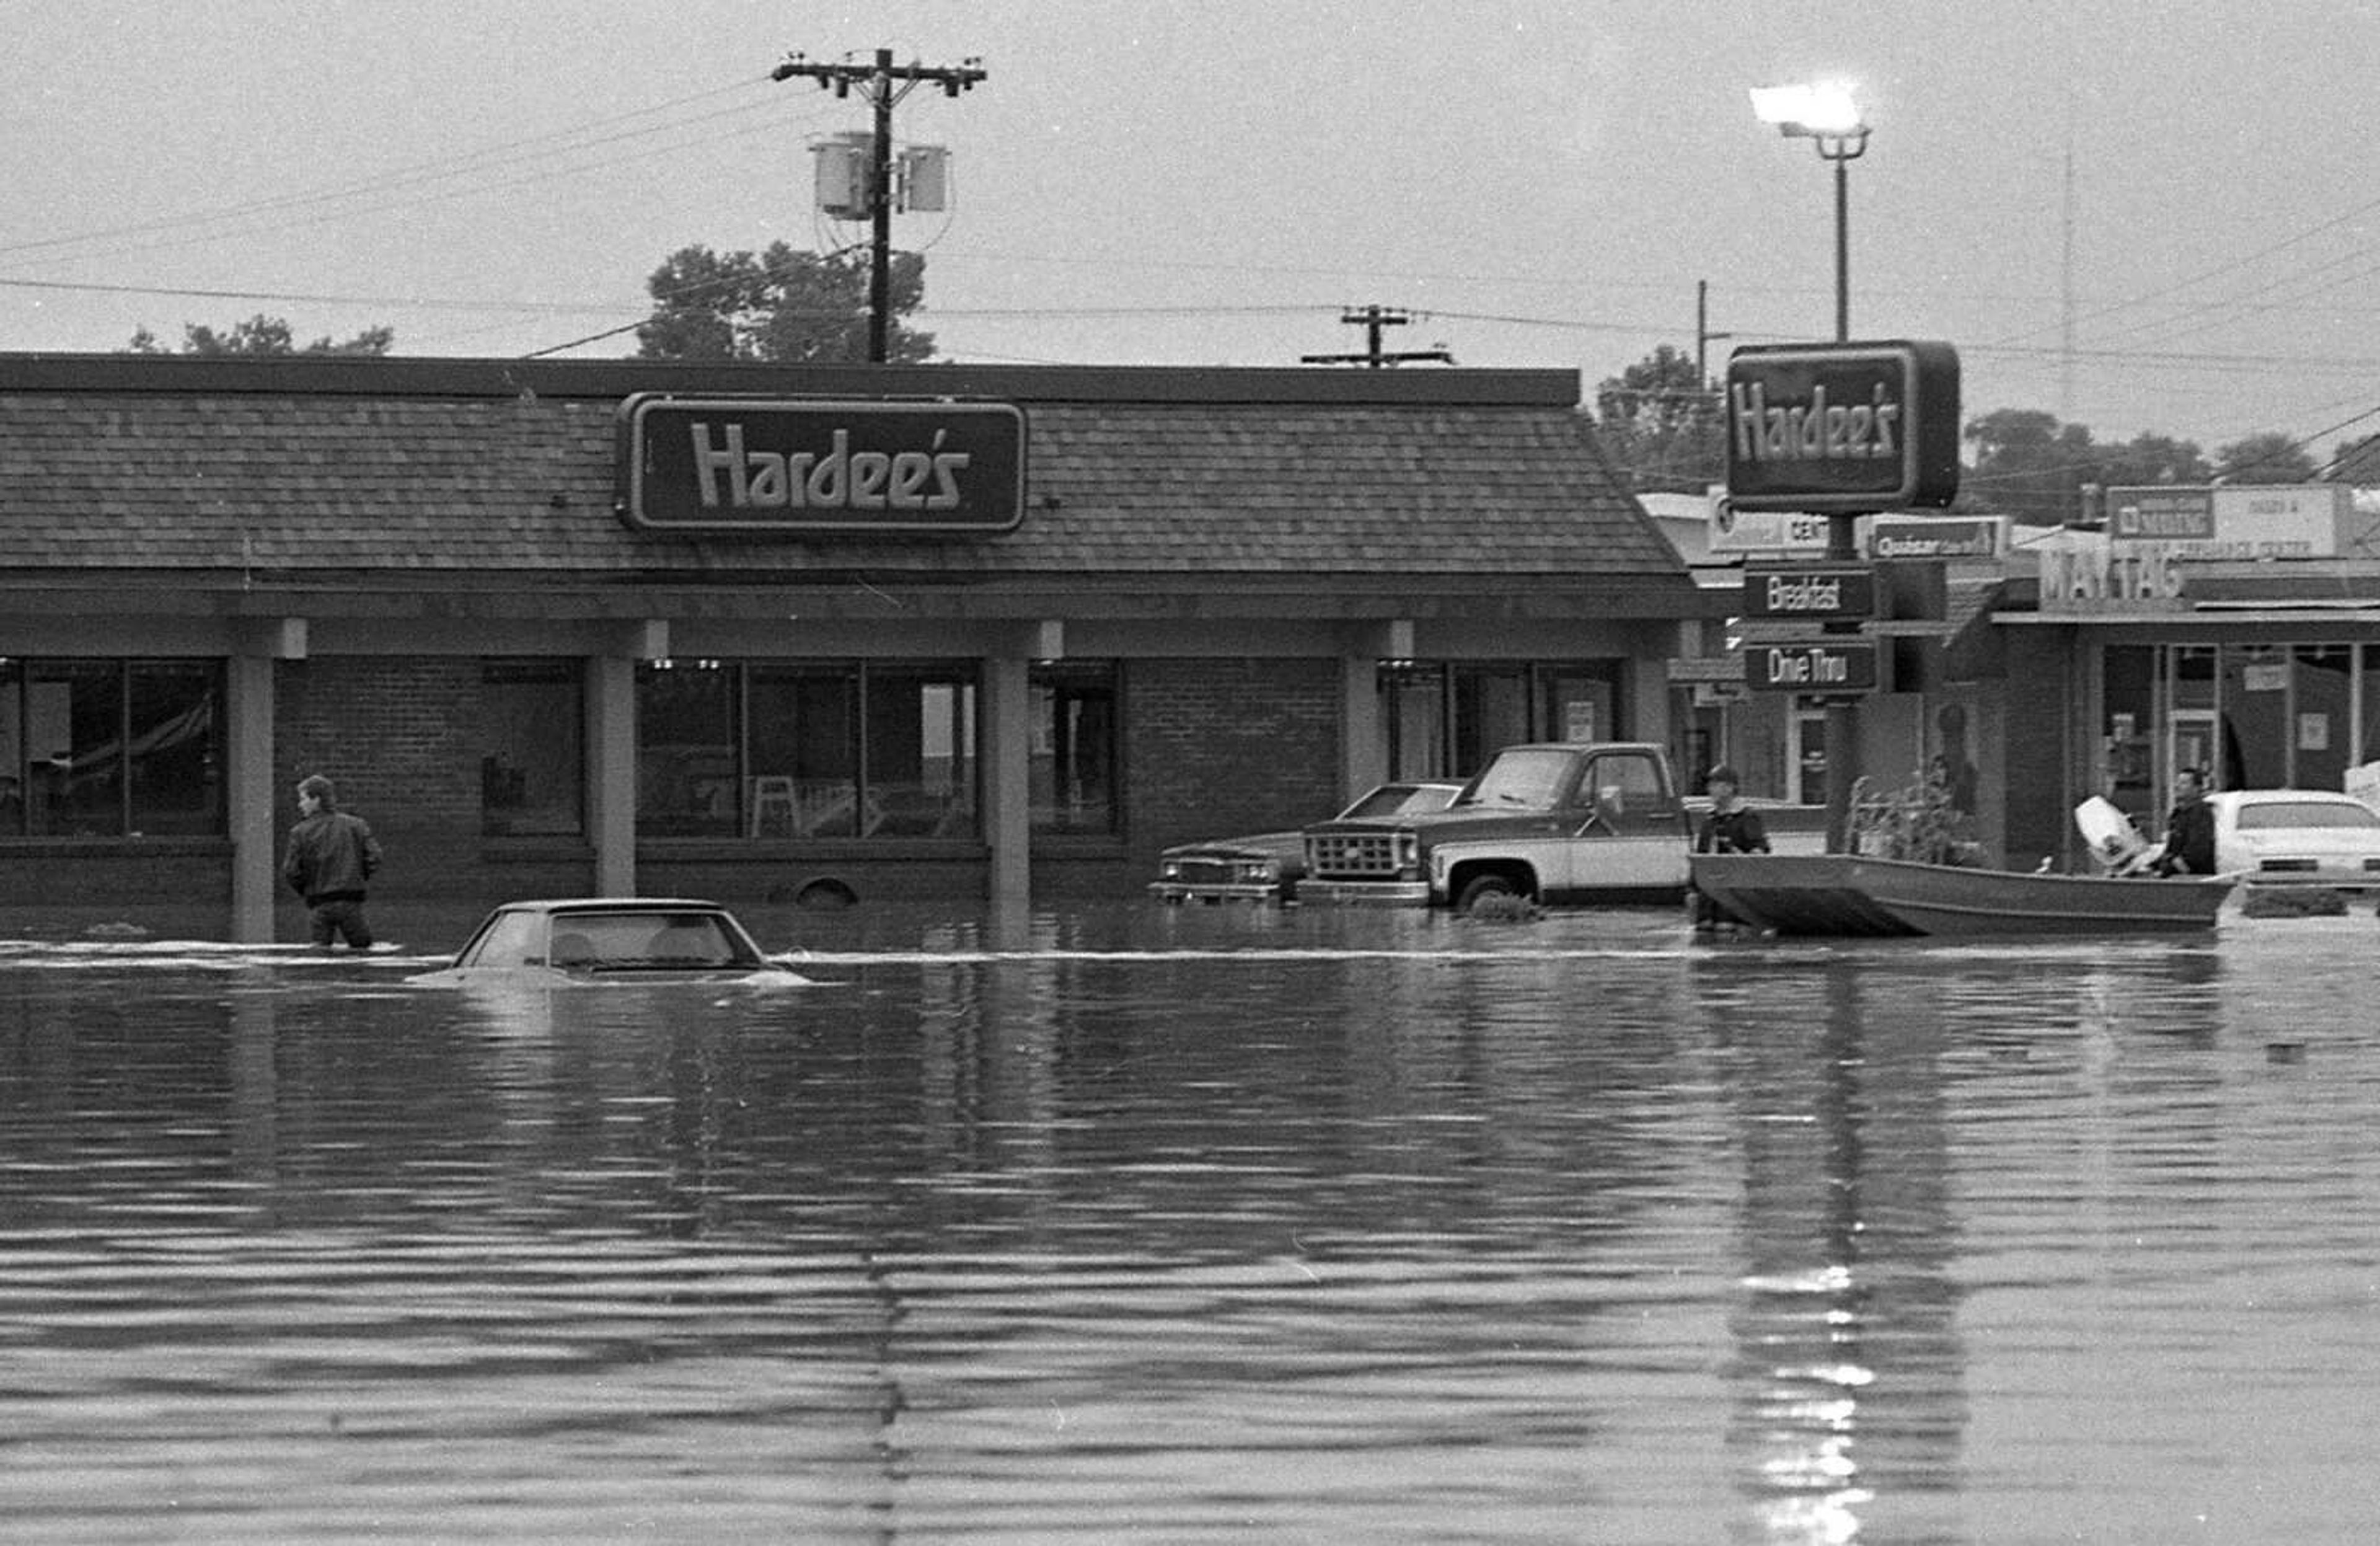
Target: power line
(415,176)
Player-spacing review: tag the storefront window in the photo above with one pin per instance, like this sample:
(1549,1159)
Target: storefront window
(1071,770)
(2368,721)
(920,741)
(787,750)
(2130,703)
(1578,704)
(2321,698)
(2254,704)
(1416,721)
(805,771)
(1491,712)
(108,747)
(687,762)
(1446,720)
(533,741)
(176,741)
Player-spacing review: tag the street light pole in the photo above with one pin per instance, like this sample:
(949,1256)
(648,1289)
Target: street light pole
(1827,114)
(1842,150)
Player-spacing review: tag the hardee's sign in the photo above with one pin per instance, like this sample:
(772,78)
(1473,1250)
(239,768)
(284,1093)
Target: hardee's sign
(1842,429)
(756,467)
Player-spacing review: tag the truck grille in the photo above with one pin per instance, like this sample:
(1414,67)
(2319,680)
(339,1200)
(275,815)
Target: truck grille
(1355,853)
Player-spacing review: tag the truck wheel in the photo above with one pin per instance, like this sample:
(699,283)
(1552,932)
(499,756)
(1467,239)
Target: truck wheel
(1484,889)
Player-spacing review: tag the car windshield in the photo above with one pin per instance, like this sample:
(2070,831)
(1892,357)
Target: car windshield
(660,939)
(1529,778)
(1400,800)
(2267,815)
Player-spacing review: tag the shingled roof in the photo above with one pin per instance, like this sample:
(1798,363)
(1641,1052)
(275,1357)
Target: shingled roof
(392,468)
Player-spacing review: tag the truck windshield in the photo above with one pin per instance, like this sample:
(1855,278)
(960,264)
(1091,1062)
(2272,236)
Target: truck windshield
(1529,778)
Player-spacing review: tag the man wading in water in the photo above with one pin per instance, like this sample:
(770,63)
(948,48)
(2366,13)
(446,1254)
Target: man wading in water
(331,855)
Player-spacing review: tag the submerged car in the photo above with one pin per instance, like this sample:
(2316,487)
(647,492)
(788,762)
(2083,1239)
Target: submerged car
(2313,837)
(637,939)
(1265,866)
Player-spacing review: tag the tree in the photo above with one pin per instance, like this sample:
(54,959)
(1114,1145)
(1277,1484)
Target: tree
(2269,457)
(2149,457)
(780,305)
(261,334)
(2029,466)
(1660,421)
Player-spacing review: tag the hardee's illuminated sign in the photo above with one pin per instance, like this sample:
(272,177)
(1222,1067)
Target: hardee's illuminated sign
(754,467)
(1842,429)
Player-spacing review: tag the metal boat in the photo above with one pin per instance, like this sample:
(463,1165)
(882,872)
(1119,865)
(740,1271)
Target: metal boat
(1850,894)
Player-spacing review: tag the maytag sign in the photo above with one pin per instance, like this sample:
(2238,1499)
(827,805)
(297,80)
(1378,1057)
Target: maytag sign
(777,467)
(1842,429)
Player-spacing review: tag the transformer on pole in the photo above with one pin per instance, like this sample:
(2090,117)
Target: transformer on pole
(866,160)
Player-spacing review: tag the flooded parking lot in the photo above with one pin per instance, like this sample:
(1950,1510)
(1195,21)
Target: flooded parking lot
(1200,1224)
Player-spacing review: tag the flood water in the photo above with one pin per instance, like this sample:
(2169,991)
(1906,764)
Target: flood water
(1201,1224)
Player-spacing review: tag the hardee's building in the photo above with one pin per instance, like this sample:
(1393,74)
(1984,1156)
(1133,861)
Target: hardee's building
(770,634)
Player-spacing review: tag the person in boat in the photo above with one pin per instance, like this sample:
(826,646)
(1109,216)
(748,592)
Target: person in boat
(2189,828)
(1730,828)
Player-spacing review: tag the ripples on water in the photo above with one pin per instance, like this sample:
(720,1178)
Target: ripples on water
(1200,1226)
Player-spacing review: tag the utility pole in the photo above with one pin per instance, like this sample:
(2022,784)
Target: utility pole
(1704,337)
(884,85)
(1372,319)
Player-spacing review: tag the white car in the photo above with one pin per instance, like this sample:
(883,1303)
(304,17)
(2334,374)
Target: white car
(2315,837)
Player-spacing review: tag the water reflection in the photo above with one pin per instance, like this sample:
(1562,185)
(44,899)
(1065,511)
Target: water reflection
(1849,1368)
(1202,1226)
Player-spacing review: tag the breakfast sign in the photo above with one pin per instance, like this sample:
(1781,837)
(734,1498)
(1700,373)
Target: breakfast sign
(781,467)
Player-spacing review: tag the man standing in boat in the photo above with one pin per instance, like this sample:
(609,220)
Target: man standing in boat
(2189,829)
(1731,828)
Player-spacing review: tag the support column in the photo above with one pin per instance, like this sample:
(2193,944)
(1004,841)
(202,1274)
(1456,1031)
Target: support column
(612,752)
(253,809)
(1007,809)
(1362,722)
(249,788)
(611,772)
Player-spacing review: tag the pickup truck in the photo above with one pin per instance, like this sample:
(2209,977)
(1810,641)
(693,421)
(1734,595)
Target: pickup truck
(1552,823)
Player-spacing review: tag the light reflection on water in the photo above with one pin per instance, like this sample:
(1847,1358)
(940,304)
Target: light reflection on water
(1199,1224)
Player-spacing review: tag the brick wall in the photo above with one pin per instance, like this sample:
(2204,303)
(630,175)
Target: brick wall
(398,735)
(1218,747)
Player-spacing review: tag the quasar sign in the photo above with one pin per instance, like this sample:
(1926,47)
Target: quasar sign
(1842,429)
(775,468)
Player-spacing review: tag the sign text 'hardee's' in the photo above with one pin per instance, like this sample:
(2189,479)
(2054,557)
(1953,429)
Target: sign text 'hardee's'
(1842,429)
(786,468)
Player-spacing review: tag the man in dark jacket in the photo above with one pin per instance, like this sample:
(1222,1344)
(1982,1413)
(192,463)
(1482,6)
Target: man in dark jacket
(1731,828)
(2189,828)
(331,857)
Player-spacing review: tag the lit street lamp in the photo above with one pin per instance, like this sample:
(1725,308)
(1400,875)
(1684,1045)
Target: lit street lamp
(1824,112)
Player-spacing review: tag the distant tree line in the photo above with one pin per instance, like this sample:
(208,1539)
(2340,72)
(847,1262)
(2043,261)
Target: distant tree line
(778,304)
(1663,424)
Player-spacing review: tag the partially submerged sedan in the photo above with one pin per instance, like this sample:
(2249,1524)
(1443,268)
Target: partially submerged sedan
(2308,838)
(631,939)
(1265,866)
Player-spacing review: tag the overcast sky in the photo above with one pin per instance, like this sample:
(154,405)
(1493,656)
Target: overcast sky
(1542,184)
